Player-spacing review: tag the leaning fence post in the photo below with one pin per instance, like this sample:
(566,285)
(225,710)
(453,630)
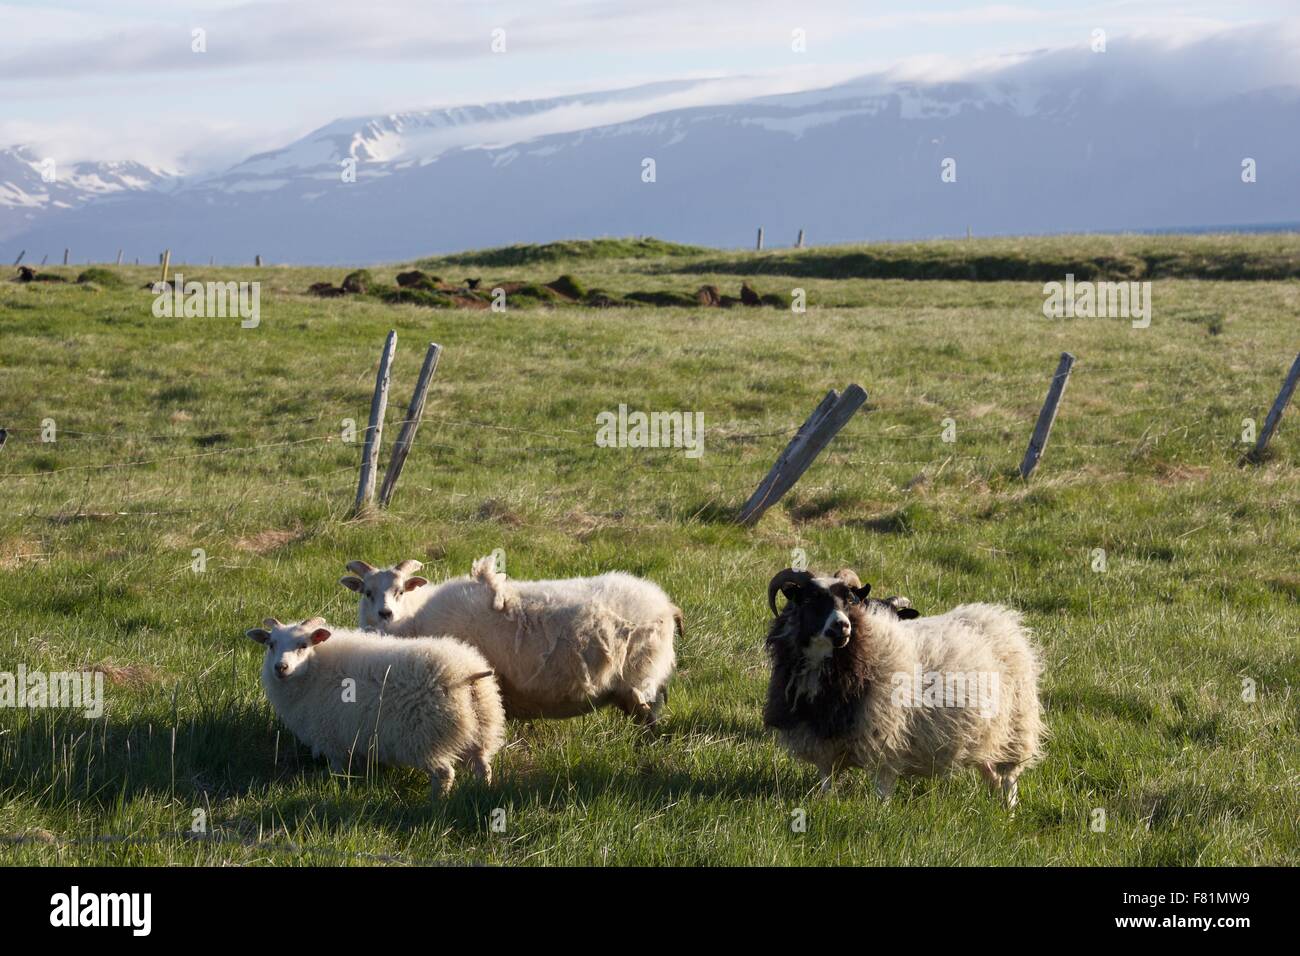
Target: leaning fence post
(66,253)
(375,429)
(760,238)
(1275,413)
(799,242)
(166,265)
(814,435)
(1043,428)
(119,257)
(19,260)
(414,412)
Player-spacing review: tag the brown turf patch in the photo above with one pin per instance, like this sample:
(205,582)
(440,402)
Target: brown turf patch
(133,676)
(266,541)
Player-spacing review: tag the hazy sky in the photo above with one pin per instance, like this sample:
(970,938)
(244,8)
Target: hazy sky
(118,78)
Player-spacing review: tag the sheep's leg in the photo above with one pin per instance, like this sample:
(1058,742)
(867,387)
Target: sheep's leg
(991,777)
(441,778)
(660,702)
(480,766)
(885,780)
(827,773)
(1011,789)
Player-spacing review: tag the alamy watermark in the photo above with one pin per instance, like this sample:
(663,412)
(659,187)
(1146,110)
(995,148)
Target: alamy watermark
(208,300)
(1099,300)
(72,690)
(978,689)
(624,429)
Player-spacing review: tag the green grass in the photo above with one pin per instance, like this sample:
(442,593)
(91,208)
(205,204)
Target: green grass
(570,249)
(176,434)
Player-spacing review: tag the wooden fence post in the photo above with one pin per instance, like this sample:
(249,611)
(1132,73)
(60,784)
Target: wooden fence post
(166,264)
(799,242)
(1275,413)
(375,429)
(257,261)
(1043,428)
(66,253)
(19,260)
(414,412)
(760,238)
(814,435)
(119,257)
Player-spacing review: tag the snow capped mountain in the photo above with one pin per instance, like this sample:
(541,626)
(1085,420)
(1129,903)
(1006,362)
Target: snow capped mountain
(1057,142)
(380,145)
(32,185)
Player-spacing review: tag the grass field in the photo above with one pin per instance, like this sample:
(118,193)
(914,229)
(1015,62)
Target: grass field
(179,434)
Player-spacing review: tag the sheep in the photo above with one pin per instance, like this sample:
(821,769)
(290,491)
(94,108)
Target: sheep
(425,704)
(901,606)
(853,685)
(559,648)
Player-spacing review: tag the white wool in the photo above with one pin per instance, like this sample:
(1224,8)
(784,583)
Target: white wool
(426,704)
(559,647)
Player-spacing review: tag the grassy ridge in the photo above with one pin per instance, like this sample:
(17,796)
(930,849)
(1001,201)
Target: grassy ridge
(1233,257)
(193,433)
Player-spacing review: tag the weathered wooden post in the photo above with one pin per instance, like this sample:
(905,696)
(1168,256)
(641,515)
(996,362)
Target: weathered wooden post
(799,242)
(1275,413)
(375,428)
(166,264)
(760,238)
(257,261)
(19,260)
(812,437)
(119,257)
(66,253)
(1043,428)
(414,412)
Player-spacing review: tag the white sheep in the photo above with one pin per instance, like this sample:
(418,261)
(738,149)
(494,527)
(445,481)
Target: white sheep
(559,648)
(854,686)
(425,704)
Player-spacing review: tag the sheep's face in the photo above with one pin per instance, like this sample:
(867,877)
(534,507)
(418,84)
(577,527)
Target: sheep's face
(289,647)
(386,598)
(820,611)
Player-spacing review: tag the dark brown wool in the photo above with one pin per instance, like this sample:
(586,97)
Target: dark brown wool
(843,682)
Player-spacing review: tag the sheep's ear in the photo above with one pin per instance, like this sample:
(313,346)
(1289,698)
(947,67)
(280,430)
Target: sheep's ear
(359,567)
(320,635)
(793,593)
(259,634)
(850,577)
(352,584)
(907,613)
(413,583)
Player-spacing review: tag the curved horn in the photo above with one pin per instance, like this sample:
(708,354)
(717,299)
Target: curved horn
(272,623)
(788,576)
(408,566)
(849,577)
(360,567)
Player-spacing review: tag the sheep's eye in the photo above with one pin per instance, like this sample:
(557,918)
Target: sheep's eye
(302,645)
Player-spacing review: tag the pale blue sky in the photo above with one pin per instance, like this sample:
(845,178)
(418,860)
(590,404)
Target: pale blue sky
(118,79)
